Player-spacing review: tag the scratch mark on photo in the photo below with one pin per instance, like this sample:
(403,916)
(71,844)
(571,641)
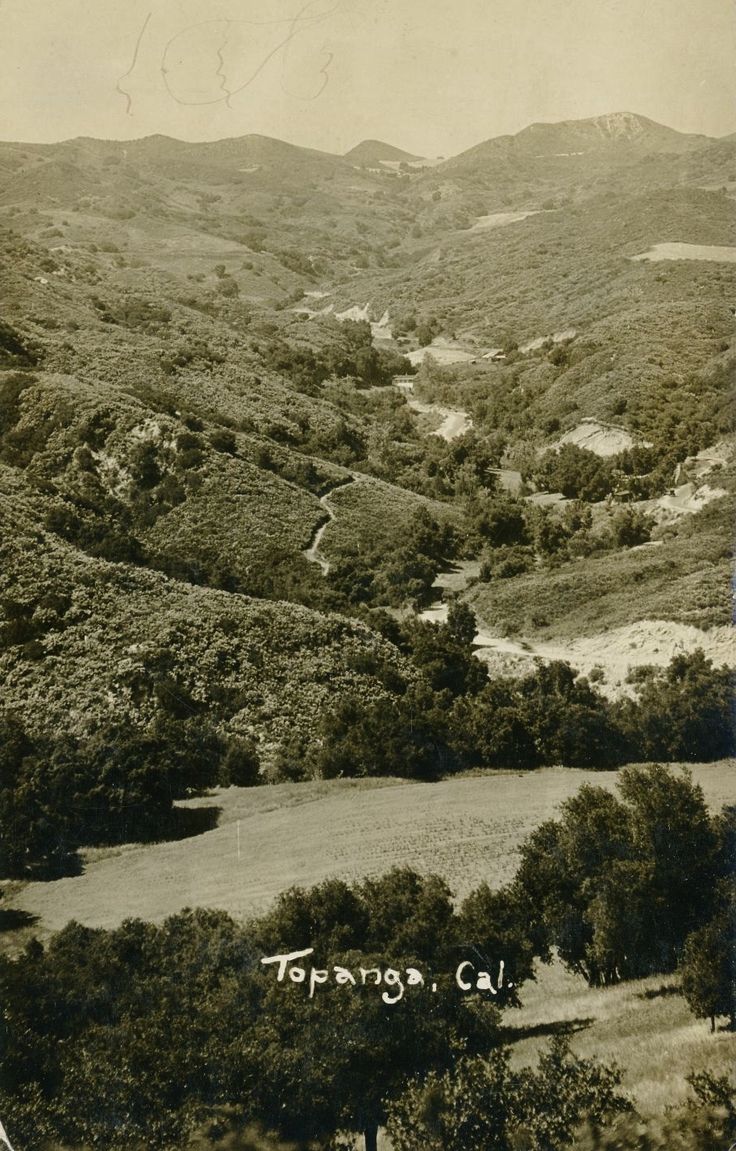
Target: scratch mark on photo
(134,61)
(221,66)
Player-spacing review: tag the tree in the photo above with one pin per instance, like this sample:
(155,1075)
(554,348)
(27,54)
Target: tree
(117,785)
(381,737)
(576,472)
(332,1061)
(240,765)
(330,915)
(617,885)
(562,863)
(708,969)
(568,721)
(683,712)
(122,1038)
(488,730)
(630,527)
(502,522)
(444,654)
(409,914)
(673,834)
(426,330)
(493,926)
(37,817)
(461,623)
(483,1105)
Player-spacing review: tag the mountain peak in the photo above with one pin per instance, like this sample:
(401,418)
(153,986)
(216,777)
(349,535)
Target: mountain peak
(624,125)
(617,125)
(369,152)
(612,128)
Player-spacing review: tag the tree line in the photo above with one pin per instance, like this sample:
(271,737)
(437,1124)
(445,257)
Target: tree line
(451,716)
(442,716)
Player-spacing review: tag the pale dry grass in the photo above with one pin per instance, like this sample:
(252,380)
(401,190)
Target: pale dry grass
(467,829)
(644,1026)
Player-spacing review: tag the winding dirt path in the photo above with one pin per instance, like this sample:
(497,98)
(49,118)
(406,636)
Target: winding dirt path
(312,552)
(455,421)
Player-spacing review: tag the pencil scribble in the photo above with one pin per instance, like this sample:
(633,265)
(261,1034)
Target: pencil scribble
(324,71)
(221,66)
(121,90)
(294,25)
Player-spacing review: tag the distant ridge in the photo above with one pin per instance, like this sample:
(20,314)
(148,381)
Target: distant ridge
(615,130)
(623,133)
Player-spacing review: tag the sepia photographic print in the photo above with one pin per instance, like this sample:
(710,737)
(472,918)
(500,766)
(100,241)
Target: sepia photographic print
(367,492)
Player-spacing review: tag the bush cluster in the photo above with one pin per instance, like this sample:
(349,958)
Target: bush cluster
(116,786)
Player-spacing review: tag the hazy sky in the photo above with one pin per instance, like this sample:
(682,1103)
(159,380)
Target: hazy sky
(432,76)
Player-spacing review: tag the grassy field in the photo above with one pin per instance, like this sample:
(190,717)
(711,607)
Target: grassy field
(643,1026)
(466,829)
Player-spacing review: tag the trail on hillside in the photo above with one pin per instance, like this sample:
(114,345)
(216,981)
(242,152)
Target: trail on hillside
(312,552)
(455,421)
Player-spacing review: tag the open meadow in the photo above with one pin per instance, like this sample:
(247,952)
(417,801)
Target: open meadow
(644,1026)
(345,496)
(466,829)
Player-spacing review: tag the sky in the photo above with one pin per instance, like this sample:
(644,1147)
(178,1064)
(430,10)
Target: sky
(431,76)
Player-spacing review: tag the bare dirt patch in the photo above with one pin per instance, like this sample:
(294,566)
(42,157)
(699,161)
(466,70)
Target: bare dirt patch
(720,253)
(454,421)
(615,652)
(499,220)
(595,436)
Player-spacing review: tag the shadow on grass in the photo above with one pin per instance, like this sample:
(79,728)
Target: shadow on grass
(513,1034)
(187,822)
(659,992)
(13,919)
(61,865)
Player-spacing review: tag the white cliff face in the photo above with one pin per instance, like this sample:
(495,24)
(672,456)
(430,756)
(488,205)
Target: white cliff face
(620,125)
(355,313)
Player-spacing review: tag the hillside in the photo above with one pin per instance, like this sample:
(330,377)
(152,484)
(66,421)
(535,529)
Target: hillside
(624,136)
(153,453)
(362,513)
(177,418)
(100,633)
(573,160)
(467,830)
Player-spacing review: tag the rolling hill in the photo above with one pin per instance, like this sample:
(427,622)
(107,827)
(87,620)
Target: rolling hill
(370,153)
